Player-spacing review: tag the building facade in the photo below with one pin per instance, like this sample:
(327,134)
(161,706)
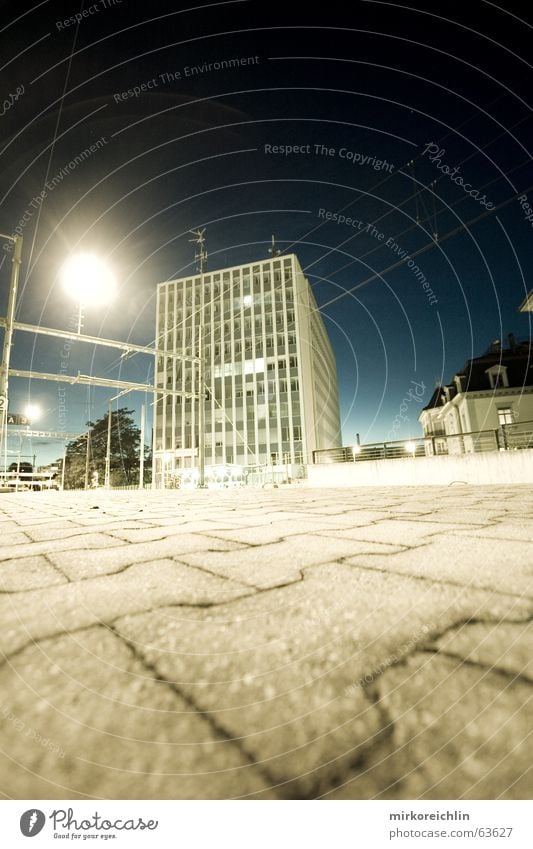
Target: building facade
(270,383)
(492,394)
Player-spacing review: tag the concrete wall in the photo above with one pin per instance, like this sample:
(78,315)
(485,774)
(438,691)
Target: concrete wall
(492,467)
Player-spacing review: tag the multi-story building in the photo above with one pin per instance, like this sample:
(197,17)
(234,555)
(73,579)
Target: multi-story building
(270,377)
(491,394)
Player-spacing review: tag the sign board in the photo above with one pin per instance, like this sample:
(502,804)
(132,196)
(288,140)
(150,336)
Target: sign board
(17,419)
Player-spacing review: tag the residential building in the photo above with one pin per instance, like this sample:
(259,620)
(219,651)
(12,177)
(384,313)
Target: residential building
(489,394)
(270,376)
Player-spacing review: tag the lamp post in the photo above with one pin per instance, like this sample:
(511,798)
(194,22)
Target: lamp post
(88,280)
(87,454)
(141,454)
(8,338)
(32,412)
(107,478)
(201,258)
(108,447)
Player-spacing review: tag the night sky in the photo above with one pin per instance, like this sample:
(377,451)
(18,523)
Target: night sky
(371,111)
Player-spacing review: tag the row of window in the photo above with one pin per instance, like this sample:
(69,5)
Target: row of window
(281,386)
(180,316)
(285,437)
(270,342)
(238,288)
(260,410)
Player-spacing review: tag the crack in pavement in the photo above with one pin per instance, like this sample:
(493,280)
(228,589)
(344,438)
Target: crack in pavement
(478,664)
(345,560)
(217,729)
(200,605)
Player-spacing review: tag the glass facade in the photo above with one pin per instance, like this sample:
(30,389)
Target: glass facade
(270,388)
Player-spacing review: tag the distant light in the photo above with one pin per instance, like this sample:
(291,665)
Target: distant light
(87,279)
(356,449)
(32,412)
(247,300)
(410,447)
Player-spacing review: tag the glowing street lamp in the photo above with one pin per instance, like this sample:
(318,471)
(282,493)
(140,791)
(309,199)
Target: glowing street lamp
(32,412)
(88,280)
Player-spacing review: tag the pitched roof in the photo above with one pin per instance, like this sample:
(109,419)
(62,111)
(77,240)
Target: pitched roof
(474,377)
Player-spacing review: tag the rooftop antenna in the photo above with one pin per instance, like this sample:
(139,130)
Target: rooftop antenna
(201,255)
(416,189)
(274,250)
(435,227)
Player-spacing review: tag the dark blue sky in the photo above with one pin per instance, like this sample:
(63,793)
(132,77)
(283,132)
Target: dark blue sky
(373,85)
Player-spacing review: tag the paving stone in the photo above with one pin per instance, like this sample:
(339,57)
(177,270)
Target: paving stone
(285,669)
(8,525)
(14,538)
(143,586)
(476,517)
(276,531)
(400,531)
(505,528)
(207,527)
(505,646)
(31,549)
(485,563)
(78,563)
(28,573)
(267,566)
(359,545)
(278,618)
(85,719)
(61,530)
(455,732)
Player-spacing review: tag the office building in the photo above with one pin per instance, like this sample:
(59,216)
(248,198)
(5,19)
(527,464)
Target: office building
(270,390)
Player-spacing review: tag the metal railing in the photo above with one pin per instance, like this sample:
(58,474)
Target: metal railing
(509,437)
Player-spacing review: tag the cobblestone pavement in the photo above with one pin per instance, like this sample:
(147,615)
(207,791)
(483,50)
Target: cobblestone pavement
(283,643)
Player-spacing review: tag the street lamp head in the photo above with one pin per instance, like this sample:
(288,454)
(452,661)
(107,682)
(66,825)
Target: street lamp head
(32,412)
(87,279)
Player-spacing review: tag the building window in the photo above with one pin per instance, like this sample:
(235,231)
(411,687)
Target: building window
(505,416)
(297,432)
(498,377)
